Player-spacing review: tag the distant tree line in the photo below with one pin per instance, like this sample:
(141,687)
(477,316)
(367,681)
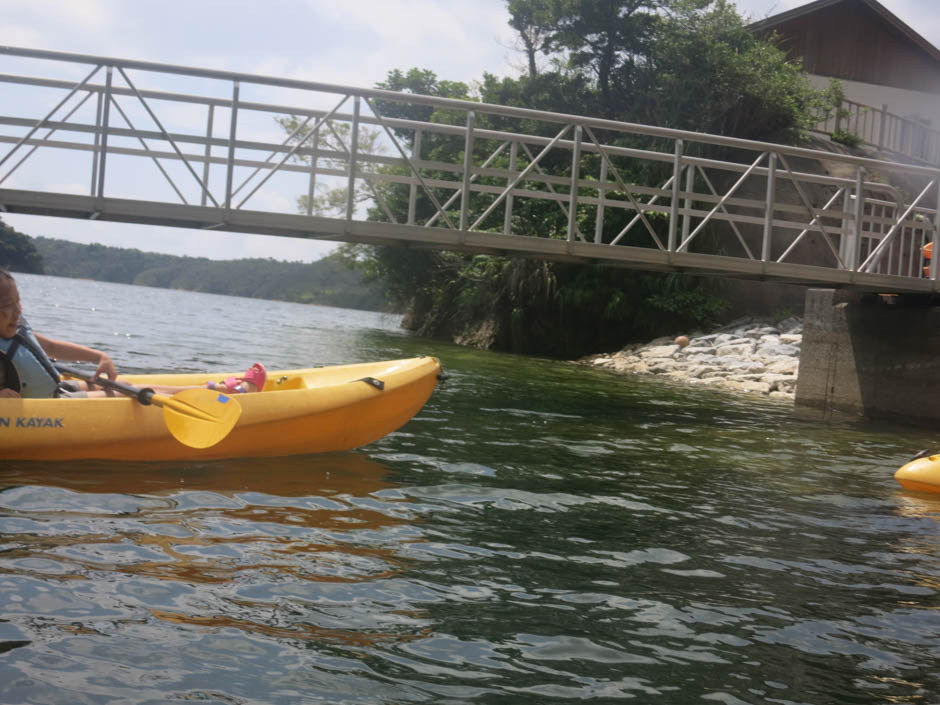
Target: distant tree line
(330,281)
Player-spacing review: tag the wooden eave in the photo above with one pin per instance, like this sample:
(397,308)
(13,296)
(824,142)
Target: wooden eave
(771,22)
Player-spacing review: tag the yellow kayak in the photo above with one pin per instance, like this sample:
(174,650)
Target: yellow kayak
(922,474)
(313,410)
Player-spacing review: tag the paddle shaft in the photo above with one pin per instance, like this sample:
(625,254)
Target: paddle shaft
(197,417)
(143,395)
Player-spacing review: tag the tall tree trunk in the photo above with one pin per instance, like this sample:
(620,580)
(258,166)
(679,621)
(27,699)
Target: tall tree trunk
(603,78)
(530,53)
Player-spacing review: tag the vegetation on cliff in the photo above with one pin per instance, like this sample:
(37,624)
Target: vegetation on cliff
(688,64)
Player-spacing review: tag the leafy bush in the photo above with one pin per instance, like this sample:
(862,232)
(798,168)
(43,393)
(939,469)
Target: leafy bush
(849,139)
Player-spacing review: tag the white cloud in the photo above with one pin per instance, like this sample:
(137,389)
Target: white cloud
(18,35)
(458,41)
(760,9)
(920,16)
(82,15)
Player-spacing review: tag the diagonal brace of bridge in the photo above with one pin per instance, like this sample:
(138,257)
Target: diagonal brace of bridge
(101,138)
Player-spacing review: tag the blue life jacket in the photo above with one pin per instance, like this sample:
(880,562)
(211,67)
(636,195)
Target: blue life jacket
(27,368)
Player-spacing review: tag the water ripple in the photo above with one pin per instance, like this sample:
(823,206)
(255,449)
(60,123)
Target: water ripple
(541,532)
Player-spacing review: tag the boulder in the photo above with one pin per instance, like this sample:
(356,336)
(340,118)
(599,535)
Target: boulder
(659,367)
(761,331)
(780,350)
(784,365)
(748,355)
(736,349)
(659,351)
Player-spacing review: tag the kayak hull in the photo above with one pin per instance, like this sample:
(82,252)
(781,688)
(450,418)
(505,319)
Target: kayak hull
(920,474)
(315,410)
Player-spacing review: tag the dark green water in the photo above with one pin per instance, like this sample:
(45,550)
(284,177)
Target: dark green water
(540,533)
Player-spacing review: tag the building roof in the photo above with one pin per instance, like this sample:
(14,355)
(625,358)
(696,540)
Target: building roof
(770,23)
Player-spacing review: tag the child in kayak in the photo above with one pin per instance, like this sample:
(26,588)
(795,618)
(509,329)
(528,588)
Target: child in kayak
(26,369)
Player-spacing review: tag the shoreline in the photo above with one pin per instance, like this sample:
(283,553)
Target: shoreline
(750,354)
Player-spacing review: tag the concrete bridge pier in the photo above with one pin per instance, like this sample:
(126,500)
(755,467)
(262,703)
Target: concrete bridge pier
(870,355)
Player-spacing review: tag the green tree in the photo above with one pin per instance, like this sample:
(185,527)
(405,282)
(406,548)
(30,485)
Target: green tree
(418,82)
(17,252)
(606,40)
(689,64)
(411,275)
(706,71)
(533,21)
(333,144)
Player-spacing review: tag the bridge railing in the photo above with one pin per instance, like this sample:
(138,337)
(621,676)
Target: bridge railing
(95,137)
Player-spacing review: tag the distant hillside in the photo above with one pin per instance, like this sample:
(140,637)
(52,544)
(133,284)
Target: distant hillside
(328,281)
(17,252)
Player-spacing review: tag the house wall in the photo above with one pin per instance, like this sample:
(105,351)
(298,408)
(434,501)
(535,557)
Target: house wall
(916,105)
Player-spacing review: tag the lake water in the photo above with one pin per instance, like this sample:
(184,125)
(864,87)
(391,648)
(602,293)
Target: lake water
(540,533)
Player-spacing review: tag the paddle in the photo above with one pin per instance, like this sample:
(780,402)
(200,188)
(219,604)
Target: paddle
(198,418)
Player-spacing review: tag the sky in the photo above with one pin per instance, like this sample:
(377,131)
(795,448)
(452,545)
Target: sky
(352,43)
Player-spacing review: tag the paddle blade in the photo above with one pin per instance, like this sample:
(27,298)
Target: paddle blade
(199,418)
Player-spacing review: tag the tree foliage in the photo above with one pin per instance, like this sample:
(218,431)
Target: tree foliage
(418,82)
(708,72)
(17,252)
(607,40)
(332,143)
(532,21)
(686,64)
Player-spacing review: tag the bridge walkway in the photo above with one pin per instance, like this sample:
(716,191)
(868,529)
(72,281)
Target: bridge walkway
(102,138)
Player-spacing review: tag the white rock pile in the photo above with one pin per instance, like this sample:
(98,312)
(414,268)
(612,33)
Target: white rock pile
(748,355)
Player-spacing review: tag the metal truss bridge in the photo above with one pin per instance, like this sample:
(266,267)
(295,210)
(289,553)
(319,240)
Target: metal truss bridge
(130,141)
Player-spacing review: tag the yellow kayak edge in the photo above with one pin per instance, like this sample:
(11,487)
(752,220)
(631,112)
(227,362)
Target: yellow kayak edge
(300,411)
(920,474)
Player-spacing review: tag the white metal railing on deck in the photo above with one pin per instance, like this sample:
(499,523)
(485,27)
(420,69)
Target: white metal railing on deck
(885,131)
(96,137)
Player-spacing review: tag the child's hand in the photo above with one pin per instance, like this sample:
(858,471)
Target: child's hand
(106,367)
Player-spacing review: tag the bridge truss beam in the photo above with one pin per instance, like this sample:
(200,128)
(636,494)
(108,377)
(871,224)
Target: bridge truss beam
(409,170)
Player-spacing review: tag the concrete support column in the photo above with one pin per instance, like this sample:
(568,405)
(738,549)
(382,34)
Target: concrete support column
(871,356)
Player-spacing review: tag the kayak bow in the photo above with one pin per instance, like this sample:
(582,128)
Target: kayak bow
(921,474)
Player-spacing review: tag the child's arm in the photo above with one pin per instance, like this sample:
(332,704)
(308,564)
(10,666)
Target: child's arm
(65,350)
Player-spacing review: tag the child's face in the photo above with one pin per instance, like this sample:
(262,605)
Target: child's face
(9,308)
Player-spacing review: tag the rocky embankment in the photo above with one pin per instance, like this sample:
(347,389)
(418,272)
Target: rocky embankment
(748,355)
